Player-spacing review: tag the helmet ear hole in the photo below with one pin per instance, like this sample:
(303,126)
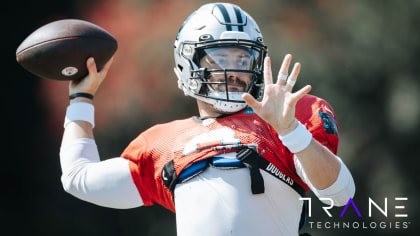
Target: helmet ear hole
(180,67)
(205,37)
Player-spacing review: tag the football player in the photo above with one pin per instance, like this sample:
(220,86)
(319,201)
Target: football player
(242,165)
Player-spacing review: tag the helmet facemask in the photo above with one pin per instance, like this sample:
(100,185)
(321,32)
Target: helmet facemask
(224,70)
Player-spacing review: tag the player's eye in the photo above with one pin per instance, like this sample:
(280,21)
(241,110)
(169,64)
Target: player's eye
(244,60)
(220,61)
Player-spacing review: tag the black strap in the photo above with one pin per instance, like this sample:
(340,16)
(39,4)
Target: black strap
(85,95)
(274,171)
(169,175)
(252,160)
(249,158)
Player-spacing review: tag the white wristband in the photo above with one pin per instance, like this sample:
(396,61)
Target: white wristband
(80,111)
(298,139)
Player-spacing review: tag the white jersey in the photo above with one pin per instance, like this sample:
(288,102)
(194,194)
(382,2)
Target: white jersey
(220,202)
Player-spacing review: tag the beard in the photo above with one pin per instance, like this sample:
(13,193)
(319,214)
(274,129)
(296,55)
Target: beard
(234,85)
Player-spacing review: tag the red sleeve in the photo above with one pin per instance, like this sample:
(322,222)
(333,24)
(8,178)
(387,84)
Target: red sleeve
(135,152)
(319,118)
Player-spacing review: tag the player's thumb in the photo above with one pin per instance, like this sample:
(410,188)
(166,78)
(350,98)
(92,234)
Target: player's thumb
(299,94)
(91,66)
(251,101)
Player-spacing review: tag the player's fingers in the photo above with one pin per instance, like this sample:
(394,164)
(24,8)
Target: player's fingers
(88,82)
(293,77)
(91,66)
(284,70)
(299,94)
(268,76)
(251,101)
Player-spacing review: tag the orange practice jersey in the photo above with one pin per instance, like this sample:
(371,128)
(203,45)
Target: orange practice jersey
(187,141)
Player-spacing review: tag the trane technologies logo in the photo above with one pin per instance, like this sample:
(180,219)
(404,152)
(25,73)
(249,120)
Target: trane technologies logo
(382,209)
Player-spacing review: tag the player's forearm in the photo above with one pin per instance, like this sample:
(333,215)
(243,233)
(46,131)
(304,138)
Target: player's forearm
(325,174)
(320,164)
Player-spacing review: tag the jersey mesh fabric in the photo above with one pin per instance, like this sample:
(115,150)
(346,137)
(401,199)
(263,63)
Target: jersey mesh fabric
(152,149)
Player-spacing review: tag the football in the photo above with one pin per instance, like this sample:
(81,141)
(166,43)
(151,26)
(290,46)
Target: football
(59,50)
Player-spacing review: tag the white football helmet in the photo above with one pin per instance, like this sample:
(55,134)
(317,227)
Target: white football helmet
(208,35)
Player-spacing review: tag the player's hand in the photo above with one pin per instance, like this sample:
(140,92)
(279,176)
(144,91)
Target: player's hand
(93,80)
(278,104)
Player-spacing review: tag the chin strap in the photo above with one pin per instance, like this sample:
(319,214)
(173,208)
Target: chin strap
(222,106)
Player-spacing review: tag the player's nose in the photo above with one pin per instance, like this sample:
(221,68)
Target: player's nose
(233,76)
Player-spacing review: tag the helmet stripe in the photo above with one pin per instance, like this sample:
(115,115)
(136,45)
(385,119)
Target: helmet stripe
(239,18)
(225,14)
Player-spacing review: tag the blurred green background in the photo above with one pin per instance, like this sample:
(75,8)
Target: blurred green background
(361,56)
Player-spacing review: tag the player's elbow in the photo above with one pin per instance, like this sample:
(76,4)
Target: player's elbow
(343,196)
(73,180)
(341,190)
(66,182)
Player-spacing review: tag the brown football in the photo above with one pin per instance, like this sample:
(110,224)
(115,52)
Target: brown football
(59,50)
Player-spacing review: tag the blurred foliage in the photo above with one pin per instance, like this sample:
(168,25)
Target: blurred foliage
(361,56)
